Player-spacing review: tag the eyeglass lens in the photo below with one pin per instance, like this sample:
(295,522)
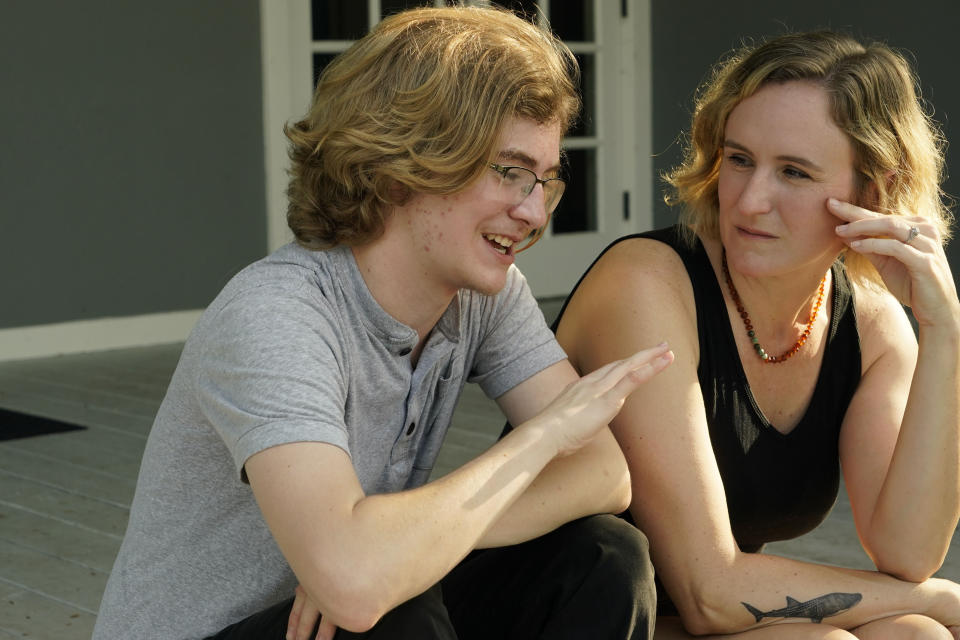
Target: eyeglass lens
(524,181)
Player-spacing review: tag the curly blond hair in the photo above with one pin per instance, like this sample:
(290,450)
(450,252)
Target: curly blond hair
(417,105)
(875,100)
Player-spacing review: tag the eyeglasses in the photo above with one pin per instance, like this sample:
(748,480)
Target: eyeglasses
(516,183)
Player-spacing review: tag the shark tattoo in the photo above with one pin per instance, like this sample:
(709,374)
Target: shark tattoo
(816,610)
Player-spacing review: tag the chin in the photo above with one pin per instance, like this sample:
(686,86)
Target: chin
(489,287)
(487,291)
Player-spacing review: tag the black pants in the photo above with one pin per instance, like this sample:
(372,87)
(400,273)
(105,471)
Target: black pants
(589,578)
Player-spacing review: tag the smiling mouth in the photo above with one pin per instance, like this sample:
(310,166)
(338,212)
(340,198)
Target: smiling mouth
(500,243)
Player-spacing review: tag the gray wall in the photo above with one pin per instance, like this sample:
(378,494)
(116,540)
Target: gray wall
(690,36)
(131,162)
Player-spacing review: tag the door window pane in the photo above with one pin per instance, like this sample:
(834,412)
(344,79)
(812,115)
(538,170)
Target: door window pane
(574,22)
(586,124)
(577,208)
(390,7)
(526,9)
(338,20)
(320,62)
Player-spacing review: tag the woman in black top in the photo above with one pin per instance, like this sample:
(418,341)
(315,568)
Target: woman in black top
(781,300)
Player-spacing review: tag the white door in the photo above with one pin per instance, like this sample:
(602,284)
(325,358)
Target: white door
(608,152)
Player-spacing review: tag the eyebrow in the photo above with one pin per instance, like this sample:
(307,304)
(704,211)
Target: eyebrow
(805,162)
(519,156)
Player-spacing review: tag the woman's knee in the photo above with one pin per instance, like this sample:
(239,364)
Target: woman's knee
(905,627)
(669,628)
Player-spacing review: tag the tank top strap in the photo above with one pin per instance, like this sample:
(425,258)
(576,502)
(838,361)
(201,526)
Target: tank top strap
(693,256)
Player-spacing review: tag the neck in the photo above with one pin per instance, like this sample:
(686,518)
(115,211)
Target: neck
(779,304)
(774,312)
(399,287)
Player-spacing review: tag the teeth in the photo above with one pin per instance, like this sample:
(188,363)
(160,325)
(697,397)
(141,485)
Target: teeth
(504,242)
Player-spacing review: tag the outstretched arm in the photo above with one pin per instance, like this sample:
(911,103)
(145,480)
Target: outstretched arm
(640,289)
(359,556)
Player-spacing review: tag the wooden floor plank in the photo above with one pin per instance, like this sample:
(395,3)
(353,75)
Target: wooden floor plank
(45,404)
(92,448)
(77,393)
(29,615)
(70,508)
(114,486)
(61,581)
(58,539)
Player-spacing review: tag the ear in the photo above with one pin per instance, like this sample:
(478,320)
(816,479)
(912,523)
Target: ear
(398,193)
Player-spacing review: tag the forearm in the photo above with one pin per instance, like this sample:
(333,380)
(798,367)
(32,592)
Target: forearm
(919,504)
(759,590)
(359,556)
(392,547)
(592,480)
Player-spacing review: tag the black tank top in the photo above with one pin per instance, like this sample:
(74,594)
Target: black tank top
(777,486)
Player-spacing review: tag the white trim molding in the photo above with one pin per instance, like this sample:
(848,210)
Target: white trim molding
(80,336)
(287,83)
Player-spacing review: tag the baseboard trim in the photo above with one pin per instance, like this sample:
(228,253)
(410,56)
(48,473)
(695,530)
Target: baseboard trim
(80,336)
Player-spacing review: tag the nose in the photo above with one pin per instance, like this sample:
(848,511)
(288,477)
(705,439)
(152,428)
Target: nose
(756,197)
(532,209)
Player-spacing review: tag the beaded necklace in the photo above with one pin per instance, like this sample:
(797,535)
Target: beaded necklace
(750,332)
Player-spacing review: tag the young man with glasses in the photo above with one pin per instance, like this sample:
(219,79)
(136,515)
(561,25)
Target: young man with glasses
(296,440)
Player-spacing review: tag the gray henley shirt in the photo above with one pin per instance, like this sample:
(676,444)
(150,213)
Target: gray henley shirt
(294,349)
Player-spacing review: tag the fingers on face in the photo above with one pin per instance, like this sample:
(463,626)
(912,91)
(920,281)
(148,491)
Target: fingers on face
(915,232)
(849,212)
(865,223)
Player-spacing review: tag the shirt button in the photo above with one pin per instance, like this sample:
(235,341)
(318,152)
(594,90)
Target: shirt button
(413,425)
(405,351)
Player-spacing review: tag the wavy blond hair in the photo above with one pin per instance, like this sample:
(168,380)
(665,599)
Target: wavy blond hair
(875,100)
(417,105)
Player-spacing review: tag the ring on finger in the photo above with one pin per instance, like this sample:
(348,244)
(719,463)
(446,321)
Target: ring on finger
(913,233)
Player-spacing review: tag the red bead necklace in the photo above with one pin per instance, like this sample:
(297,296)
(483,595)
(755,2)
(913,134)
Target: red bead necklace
(750,332)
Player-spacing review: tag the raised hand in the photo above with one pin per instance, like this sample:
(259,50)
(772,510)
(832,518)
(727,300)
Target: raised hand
(908,254)
(587,405)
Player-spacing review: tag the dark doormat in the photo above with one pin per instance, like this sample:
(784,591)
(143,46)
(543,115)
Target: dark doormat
(21,425)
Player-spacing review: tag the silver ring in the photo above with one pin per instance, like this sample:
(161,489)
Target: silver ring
(913,233)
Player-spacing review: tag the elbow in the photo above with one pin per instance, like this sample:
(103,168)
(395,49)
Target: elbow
(704,610)
(351,600)
(910,563)
(910,569)
(622,494)
(354,610)
(621,487)
(710,623)
(702,620)
(706,607)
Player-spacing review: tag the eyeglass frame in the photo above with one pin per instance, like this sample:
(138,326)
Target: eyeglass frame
(537,233)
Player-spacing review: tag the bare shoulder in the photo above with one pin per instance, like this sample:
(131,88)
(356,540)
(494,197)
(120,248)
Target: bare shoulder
(637,265)
(885,330)
(634,292)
